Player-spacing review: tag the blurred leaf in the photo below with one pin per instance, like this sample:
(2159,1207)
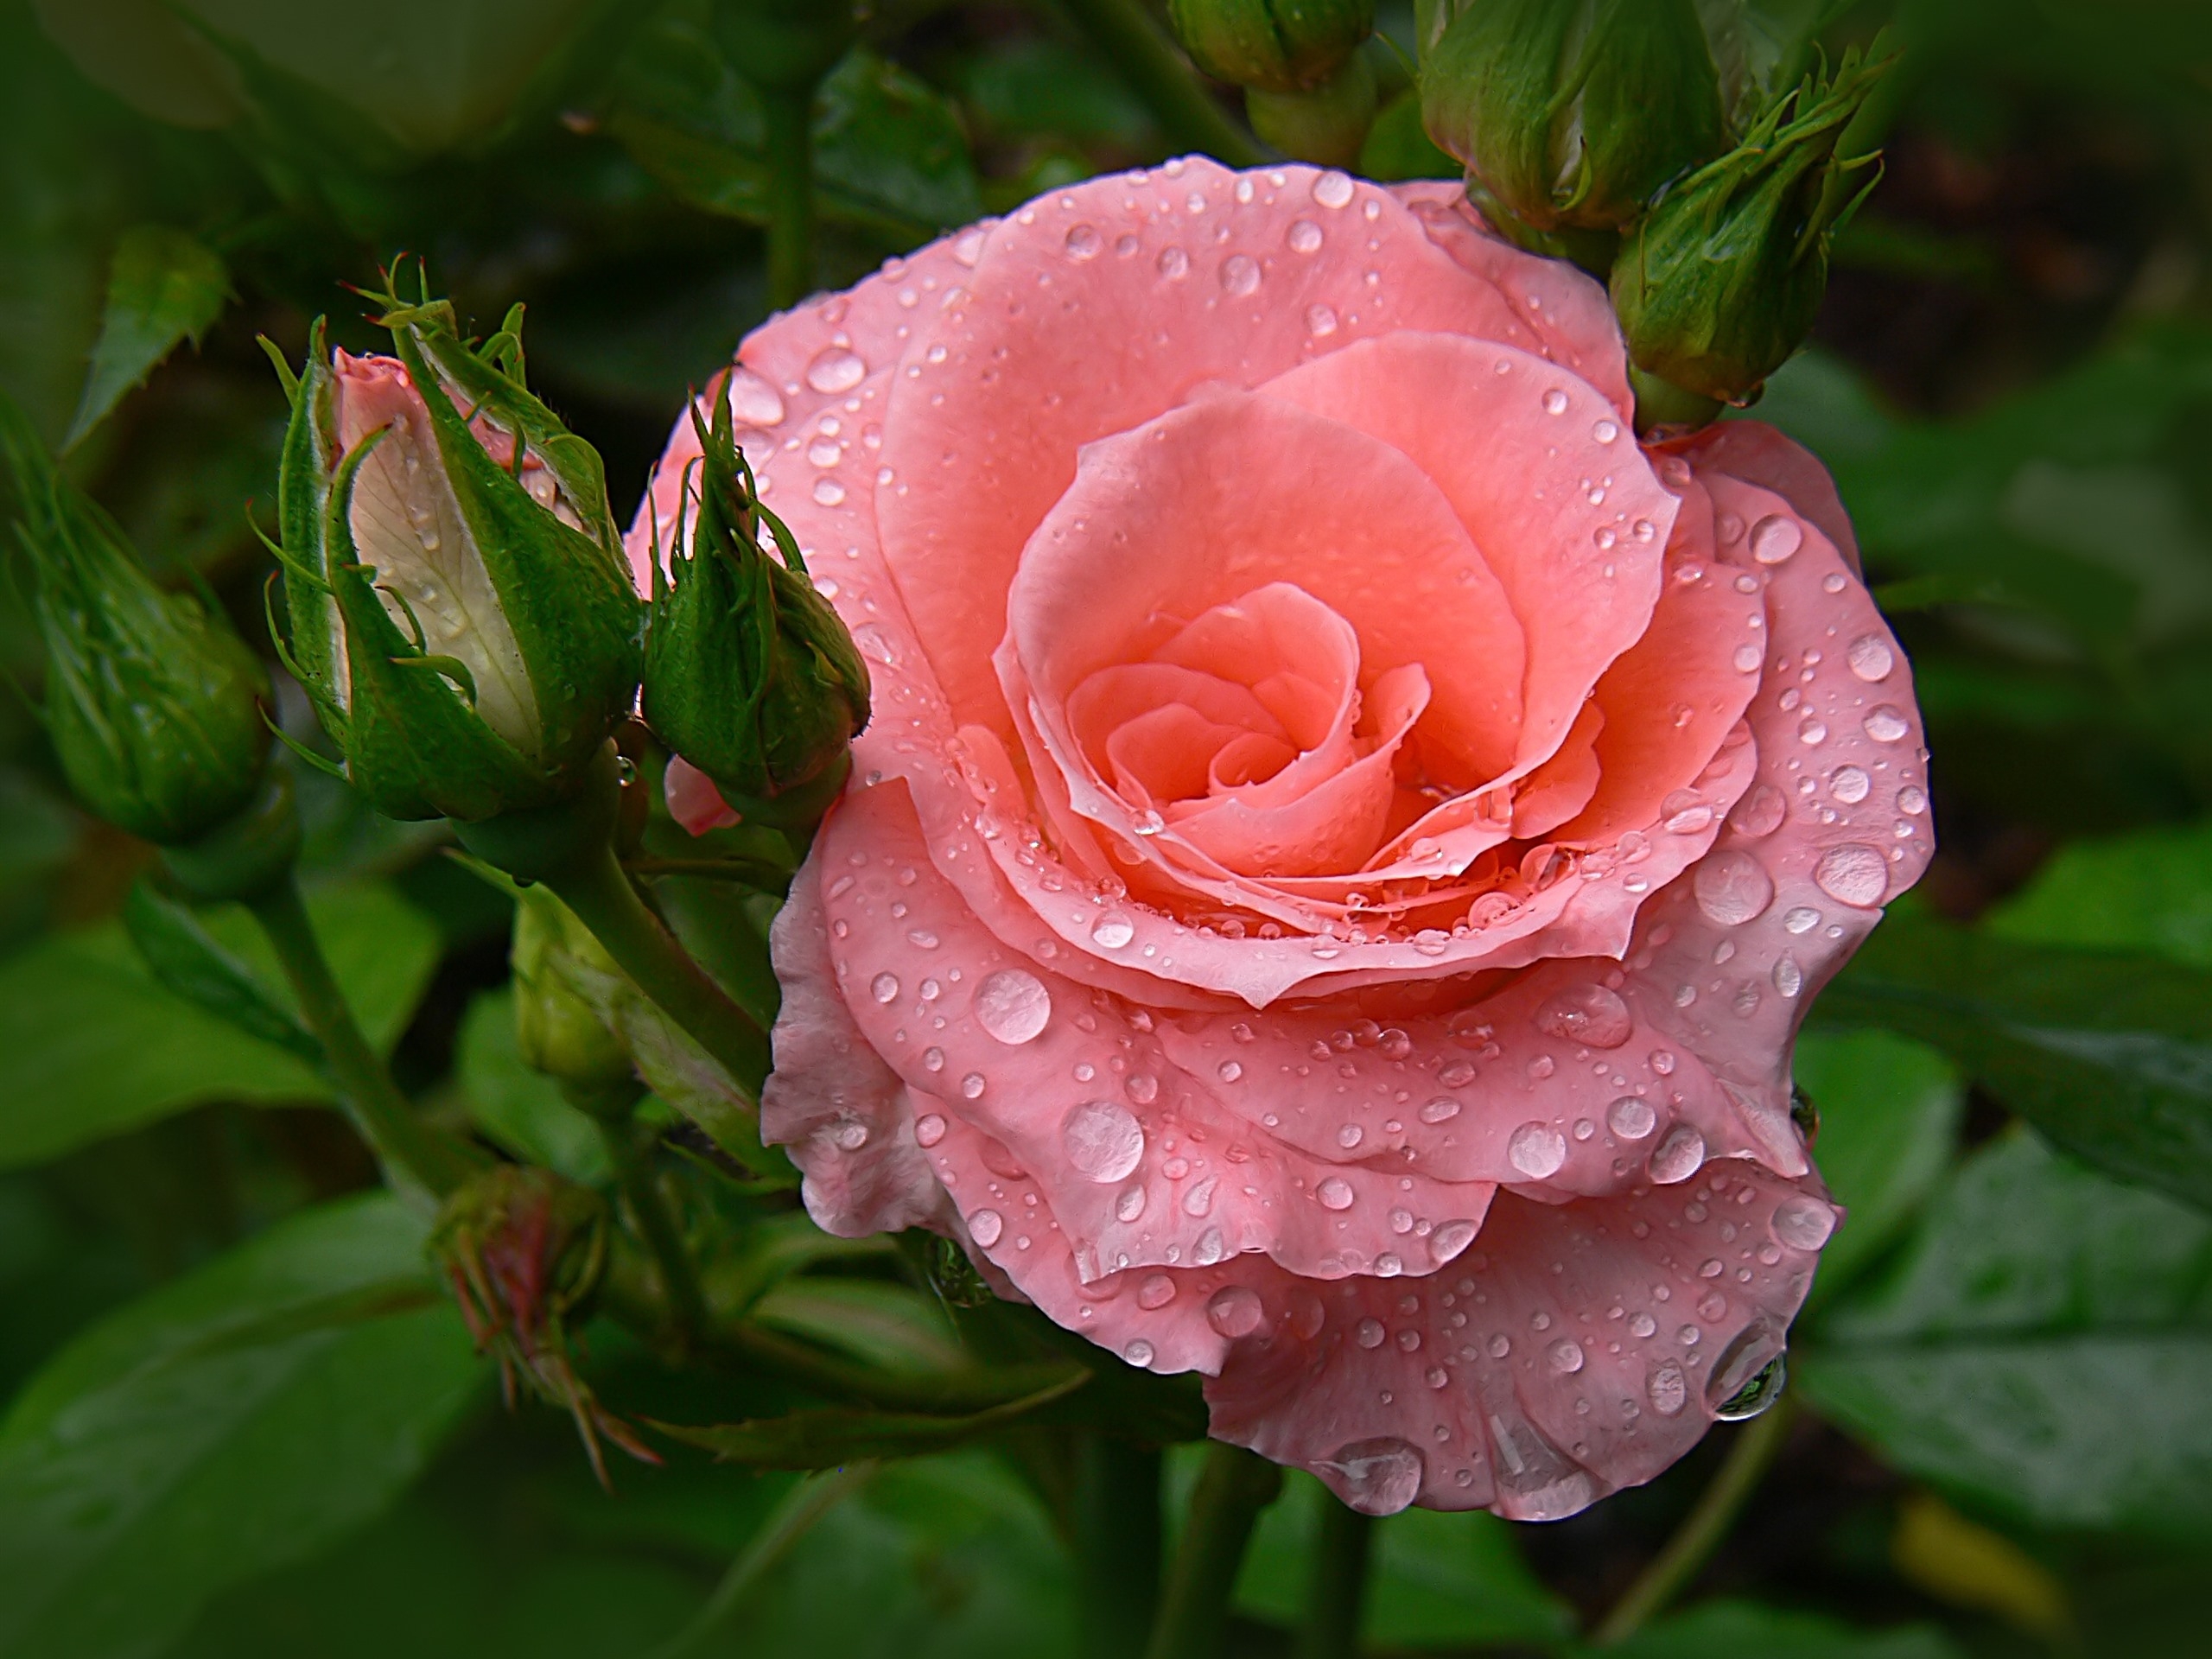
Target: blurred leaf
(164,287)
(184,956)
(230,1422)
(885,1325)
(1398,147)
(1436,1579)
(1964,1563)
(896,143)
(2109,1054)
(1714,1628)
(520,1110)
(90,1044)
(1889,1112)
(2148,891)
(2045,1349)
(772,1249)
(825,1437)
(1025,88)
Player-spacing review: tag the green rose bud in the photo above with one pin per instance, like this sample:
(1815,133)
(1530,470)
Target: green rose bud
(1327,124)
(558,1031)
(461,612)
(1573,113)
(154,704)
(785,43)
(1277,45)
(749,674)
(1721,281)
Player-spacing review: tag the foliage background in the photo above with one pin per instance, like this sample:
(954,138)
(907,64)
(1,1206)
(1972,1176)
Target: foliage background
(2003,1443)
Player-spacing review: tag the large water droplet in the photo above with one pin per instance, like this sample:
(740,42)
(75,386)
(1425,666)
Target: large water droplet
(1235,1311)
(1565,1358)
(1536,1481)
(1335,1193)
(1155,1291)
(1103,1141)
(1128,1203)
(1587,1013)
(1536,1150)
(1013,1006)
(1853,873)
(1333,189)
(1442,1110)
(1304,236)
(1450,1241)
(1082,242)
(1320,320)
(1748,1376)
(1870,657)
(1774,538)
(1631,1119)
(1554,402)
(837,369)
(1679,1156)
(985,1226)
(1849,785)
(929,1129)
(1802,1222)
(1138,1352)
(1112,931)
(1240,275)
(885,988)
(1174,265)
(752,401)
(1788,977)
(1377,1476)
(1886,724)
(1668,1389)
(1732,888)
(1760,812)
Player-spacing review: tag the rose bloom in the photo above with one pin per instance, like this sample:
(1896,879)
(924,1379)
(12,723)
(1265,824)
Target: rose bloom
(1347,838)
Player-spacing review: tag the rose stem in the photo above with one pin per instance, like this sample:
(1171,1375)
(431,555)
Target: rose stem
(1670,1571)
(1339,1589)
(630,1148)
(415,1154)
(806,1503)
(1233,1488)
(790,192)
(1156,71)
(1117,1543)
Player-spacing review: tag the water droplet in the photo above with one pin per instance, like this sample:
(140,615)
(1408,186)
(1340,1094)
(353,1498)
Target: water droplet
(1235,1311)
(1335,1193)
(1377,1477)
(836,370)
(1333,189)
(885,988)
(1606,431)
(1631,1118)
(1642,1325)
(1812,730)
(1450,1241)
(1554,402)
(1320,320)
(752,401)
(824,452)
(1442,1110)
(1199,1198)
(876,644)
(1853,873)
(1669,1390)
(1303,237)
(1788,977)
(1536,1150)
(1870,657)
(985,1226)
(1587,1013)
(1804,1224)
(1912,799)
(921,938)
(1174,265)
(1849,785)
(1746,659)
(828,492)
(928,1130)
(1732,888)
(1240,275)
(1760,812)
(1885,722)
(1142,1087)
(933,1058)
(1369,1333)
(1138,1352)
(1156,1291)
(1749,1375)
(1082,242)
(1565,1357)
(1679,1156)
(1801,919)
(1103,1141)
(972,1086)
(1112,931)
(1774,538)
(1013,1006)
(1228,1072)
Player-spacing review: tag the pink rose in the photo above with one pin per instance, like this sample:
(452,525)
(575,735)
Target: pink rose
(1347,838)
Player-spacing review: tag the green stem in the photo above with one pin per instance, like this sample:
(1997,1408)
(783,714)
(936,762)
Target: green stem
(413,1153)
(790,192)
(1671,1570)
(1156,71)
(1233,1488)
(1336,1592)
(791,1519)
(630,1148)
(1117,1543)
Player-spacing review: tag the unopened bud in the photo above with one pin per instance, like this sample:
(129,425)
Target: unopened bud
(750,676)
(155,706)
(1277,45)
(460,612)
(1327,124)
(558,1028)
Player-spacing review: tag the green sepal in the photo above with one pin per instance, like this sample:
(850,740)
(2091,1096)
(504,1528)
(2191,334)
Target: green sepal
(1277,45)
(313,642)
(825,1437)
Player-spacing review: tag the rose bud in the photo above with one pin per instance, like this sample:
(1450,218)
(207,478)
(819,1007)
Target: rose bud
(153,704)
(457,612)
(557,1030)
(1573,113)
(1277,45)
(750,676)
(1721,281)
(1327,123)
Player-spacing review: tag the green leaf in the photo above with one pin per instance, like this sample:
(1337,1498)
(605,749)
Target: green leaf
(885,1325)
(520,1110)
(164,287)
(91,1045)
(1437,1580)
(2109,1054)
(2148,891)
(230,1422)
(2045,1349)
(184,958)
(1890,1110)
(824,1437)
(1742,1627)
(1398,147)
